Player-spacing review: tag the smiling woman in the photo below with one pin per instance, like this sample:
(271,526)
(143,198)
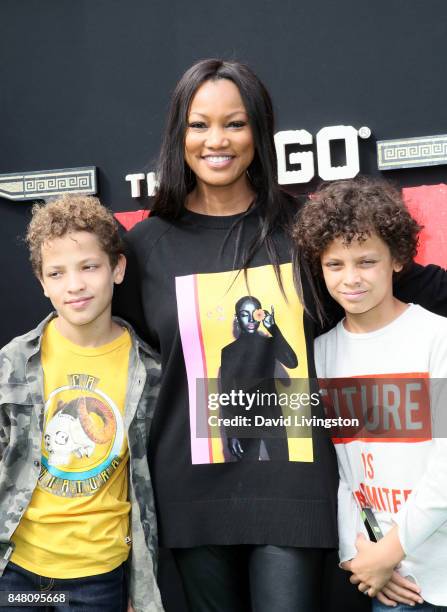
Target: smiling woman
(210,284)
(219,148)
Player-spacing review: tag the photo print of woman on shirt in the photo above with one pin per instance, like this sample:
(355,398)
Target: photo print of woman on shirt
(248,364)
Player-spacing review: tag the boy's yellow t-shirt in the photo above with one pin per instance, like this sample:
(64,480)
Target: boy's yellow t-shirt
(77,523)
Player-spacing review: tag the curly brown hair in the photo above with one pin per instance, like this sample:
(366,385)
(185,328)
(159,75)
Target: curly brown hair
(353,209)
(72,213)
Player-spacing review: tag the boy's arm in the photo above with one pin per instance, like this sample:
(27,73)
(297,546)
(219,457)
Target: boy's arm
(423,513)
(4,434)
(425,510)
(5,425)
(397,589)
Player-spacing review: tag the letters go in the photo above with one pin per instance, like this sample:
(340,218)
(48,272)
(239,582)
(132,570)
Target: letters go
(305,159)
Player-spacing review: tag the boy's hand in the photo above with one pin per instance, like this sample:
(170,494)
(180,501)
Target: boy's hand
(399,590)
(374,564)
(129,607)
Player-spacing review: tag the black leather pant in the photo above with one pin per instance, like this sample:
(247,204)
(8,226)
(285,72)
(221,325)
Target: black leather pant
(251,578)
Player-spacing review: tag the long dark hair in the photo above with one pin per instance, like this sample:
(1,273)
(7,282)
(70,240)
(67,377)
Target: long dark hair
(175,177)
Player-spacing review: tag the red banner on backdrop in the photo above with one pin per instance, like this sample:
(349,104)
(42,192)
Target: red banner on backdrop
(428,205)
(131,218)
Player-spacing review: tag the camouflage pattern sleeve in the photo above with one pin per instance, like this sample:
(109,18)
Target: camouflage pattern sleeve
(20,436)
(144,593)
(147,407)
(144,375)
(5,425)
(5,430)
(6,369)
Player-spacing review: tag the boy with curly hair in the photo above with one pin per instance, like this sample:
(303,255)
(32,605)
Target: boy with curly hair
(357,234)
(77,396)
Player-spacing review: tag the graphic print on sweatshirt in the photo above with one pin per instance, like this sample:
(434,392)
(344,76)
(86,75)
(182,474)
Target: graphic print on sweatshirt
(246,363)
(394,411)
(83,437)
(389,407)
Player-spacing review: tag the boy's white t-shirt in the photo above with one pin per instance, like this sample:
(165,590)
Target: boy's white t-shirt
(403,478)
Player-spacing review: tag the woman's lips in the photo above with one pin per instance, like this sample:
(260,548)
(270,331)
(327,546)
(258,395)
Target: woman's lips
(218,161)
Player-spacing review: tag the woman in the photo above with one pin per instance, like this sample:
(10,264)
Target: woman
(248,363)
(245,534)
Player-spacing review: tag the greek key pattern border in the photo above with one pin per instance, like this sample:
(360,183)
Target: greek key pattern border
(412,152)
(44,184)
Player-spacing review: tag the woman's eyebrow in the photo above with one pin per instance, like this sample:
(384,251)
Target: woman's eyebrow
(236,112)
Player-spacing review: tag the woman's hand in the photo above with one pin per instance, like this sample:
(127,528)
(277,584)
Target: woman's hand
(269,319)
(235,448)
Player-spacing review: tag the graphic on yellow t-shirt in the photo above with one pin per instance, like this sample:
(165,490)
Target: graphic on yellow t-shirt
(83,437)
(77,522)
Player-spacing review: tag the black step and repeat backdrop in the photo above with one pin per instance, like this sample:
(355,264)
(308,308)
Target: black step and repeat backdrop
(87,83)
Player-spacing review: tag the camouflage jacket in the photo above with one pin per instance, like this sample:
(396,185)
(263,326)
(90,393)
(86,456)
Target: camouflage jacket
(21,424)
